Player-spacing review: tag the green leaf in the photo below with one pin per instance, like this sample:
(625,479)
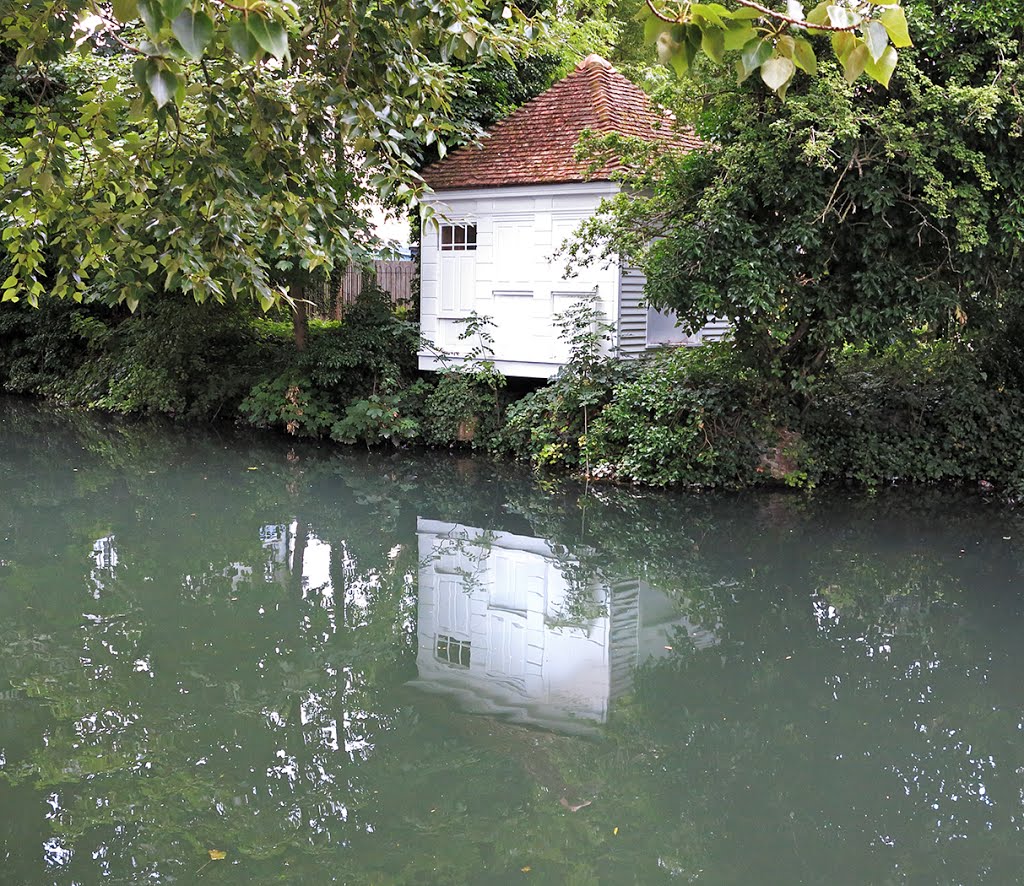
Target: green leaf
(708,13)
(894,20)
(653,28)
(786,46)
(777,72)
(152,15)
(133,303)
(841,17)
(242,41)
(162,84)
(713,43)
(679,60)
(140,71)
(855,62)
(745,13)
(755,53)
(270,34)
(194,31)
(126,10)
(818,15)
(804,57)
(843,44)
(876,38)
(173,8)
(737,35)
(881,70)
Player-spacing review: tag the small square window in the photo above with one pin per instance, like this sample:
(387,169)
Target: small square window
(454,652)
(458,238)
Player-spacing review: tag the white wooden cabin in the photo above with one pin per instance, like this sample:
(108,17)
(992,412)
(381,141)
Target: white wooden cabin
(495,633)
(501,213)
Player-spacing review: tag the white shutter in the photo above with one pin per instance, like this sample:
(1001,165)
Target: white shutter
(458,283)
(515,257)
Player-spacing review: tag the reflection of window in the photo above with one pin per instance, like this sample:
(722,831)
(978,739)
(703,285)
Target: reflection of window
(458,238)
(455,652)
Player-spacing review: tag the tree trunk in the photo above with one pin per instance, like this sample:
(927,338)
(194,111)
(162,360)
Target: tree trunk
(300,321)
(299,555)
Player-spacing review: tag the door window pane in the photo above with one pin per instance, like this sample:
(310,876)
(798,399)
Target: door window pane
(458,238)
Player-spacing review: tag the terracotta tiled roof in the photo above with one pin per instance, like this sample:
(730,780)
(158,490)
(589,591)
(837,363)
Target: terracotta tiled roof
(535,145)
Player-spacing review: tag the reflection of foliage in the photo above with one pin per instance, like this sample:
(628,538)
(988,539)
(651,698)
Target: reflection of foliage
(463,546)
(584,601)
(188,706)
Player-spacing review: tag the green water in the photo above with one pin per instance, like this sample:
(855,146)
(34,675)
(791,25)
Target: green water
(359,668)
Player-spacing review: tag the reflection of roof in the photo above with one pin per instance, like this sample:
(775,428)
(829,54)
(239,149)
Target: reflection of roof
(536,144)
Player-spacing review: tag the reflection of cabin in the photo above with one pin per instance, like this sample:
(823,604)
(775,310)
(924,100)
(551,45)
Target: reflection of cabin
(502,629)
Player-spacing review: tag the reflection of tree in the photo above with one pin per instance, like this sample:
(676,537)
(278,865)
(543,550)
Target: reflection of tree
(197,695)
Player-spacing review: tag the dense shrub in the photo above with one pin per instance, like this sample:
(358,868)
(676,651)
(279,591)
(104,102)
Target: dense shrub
(462,407)
(919,413)
(547,425)
(693,416)
(291,403)
(41,347)
(382,418)
(173,356)
(373,350)
(352,382)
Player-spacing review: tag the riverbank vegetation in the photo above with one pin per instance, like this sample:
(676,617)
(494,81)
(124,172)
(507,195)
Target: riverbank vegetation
(864,242)
(924,411)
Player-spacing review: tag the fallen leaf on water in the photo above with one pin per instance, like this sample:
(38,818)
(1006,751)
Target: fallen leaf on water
(615,831)
(525,869)
(574,807)
(217,854)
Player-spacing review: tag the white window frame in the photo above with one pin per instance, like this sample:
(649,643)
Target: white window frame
(464,237)
(452,644)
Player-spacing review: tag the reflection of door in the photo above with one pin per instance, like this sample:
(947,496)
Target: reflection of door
(457,269)
(506,647)
(452,607)
(512,576)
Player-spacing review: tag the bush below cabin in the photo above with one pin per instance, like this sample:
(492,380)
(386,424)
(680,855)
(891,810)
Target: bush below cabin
(925,412)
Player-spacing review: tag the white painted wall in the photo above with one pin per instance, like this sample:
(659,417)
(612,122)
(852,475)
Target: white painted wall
(511,277)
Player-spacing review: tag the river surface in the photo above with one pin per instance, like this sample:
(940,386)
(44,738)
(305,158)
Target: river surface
(227,659)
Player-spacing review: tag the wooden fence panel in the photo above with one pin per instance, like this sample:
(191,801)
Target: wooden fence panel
(394,277)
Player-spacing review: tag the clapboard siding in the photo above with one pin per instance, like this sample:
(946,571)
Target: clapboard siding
(716,329)
(632,337)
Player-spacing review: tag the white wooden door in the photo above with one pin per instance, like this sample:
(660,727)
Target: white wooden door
(458,283)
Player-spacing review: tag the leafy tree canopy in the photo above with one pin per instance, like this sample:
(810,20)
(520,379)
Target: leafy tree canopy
(850,213)
(217,149)
(865,37)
